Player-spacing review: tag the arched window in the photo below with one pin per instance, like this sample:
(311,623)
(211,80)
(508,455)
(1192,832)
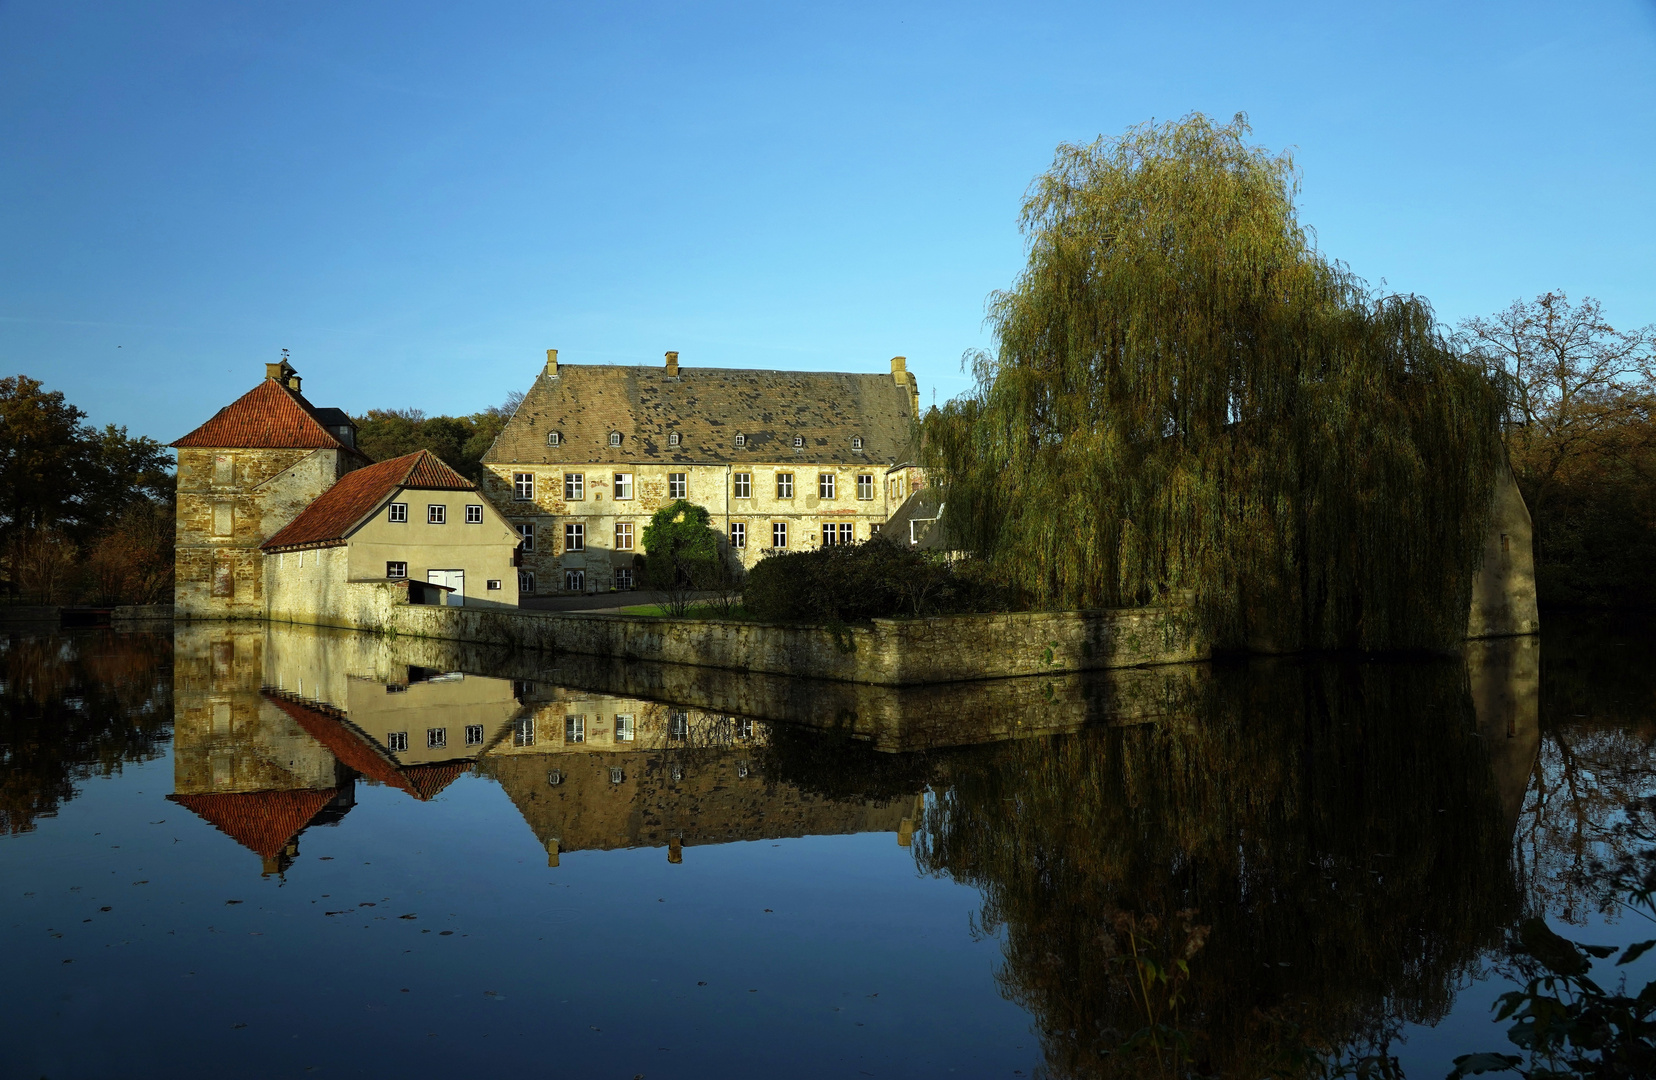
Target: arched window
(799,440)
(856,442)
(741,441)
(554,438)
(672,438)
(615,438)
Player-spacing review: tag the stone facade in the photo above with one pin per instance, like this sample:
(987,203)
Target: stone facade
(775,457)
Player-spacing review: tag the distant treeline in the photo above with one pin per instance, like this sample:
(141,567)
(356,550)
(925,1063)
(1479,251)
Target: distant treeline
(459,440)
(85,513)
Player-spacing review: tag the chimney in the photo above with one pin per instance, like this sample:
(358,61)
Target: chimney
(274,371)
(672,365)
(293,382)
(675,845)
(906,382)
(283,372)
(552,362)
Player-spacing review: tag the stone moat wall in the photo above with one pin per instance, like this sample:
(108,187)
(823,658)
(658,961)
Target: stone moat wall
(890,652)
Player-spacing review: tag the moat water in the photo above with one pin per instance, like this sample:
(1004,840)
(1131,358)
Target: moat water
(241,851)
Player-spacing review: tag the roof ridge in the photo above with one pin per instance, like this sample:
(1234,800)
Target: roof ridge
(256,420)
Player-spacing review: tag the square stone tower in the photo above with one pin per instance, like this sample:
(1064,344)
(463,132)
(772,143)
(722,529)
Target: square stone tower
(243,475)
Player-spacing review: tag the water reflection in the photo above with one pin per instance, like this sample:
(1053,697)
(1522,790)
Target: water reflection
(1356,838)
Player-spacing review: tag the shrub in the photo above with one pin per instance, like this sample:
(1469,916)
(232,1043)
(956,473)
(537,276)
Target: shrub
(863,581)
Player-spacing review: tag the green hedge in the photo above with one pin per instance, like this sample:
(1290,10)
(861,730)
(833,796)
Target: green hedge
(864,581)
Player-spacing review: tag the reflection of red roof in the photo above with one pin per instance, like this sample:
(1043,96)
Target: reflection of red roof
(356,751)
(261,821)
(338,511)
(269,415)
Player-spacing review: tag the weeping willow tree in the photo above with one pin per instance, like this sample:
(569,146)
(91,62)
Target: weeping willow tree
(1186,395)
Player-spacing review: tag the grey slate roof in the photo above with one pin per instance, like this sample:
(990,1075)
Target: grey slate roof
(708,407)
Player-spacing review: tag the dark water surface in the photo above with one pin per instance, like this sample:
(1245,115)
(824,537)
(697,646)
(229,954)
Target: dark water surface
(250,851)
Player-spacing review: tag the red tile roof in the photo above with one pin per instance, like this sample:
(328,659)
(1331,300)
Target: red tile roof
(269,416)
(337,512)
(355,750)
(262,821)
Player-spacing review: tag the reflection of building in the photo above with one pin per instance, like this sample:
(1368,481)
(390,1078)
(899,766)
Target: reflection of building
(594,772)
(273,727)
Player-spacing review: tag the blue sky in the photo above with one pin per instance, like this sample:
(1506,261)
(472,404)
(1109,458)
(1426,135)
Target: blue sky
(418,200)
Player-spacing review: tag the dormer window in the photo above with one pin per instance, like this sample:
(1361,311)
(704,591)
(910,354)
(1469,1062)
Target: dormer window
(856,442)
(672,438)
(799,440)
(741,441)
(554,438)
(615,438)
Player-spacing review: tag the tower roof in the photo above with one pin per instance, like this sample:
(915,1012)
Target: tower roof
(264,822)
(269,416)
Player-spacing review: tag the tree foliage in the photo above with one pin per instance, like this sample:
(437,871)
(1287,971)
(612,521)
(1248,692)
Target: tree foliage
(853,582)
(682,553)
(1581,430)
(1187,395)
(461,441)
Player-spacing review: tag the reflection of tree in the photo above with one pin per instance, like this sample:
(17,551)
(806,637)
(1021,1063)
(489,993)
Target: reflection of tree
(75,706)
(1598,742)
(1335,825)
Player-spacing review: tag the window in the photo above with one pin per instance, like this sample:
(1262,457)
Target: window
(523,732)
(527,532)
(474,515)
(856,442)
(224,469)
(523,485)
(574,729)
(554,777)
(672,438)
(825,485)
(874,530)
(836,534)
(397,742)
(474,734)
(741,441)
(799,440)
(738,535)
(623,728)
(574,485)
(436,514)
(784,485)
(677,486)
(896,486)
(615,438)
(574,536)
(624,578)
(396,570)
(741,770)
(493,584)
(744,728)
(865,485)
(779,534)
(526,582)
(436,738)
(623,536)
(675,772)
(678,724)
(397,513)
(574,581)
(616,775)
(743,484)
(623,485)
(224,519)
(554,438)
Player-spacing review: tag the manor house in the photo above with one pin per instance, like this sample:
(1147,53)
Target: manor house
(783,460)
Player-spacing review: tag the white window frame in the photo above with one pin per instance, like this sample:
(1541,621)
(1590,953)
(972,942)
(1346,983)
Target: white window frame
(779,531)
(526,533)
(575,728)
(856,442)
(624,730)
(474,734)
(397,513)
(835,534)
(574,486)
(742,485)
(554,438)
(865,486)
(615,438)
(623,536)
(827,483)
(574,536)
(436,513)
(396,742)
(678,485)
(474,514)
(799,441)
(436,738)
(523,486)
(784,485)
(574,581)
(396,570)
(673,438)
(526,583)
(523,731)
(738,535)
(623,578)
(623,485)
(741,442)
